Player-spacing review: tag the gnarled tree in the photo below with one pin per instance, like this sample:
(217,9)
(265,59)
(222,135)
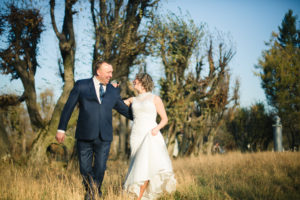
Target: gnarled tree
(195,101)
(67,46)
(24,27)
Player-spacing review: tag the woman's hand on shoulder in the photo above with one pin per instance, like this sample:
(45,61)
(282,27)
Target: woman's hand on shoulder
(115,83)
(128,101)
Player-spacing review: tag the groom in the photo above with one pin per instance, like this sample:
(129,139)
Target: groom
(96,98)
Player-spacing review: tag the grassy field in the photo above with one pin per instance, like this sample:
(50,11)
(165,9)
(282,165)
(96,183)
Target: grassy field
(264,175)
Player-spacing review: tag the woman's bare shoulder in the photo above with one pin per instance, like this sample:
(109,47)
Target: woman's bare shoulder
(156,98)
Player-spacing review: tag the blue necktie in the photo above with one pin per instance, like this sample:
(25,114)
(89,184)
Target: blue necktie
(101,92)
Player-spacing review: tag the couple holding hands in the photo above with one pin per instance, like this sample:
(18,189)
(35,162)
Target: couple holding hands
(150,171)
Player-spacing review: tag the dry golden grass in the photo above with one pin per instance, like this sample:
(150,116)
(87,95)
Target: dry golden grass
(231,176)
(239,176)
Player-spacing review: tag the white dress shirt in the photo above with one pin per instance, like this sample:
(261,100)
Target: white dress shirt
(97,87)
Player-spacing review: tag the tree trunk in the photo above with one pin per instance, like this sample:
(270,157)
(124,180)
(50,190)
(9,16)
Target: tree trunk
(213,132)
(209,144)
(31,101)
(171,138)
(123,135)
(46,136)
(123,125)
(197,149)
(24,152)
(67,47)
(4,141)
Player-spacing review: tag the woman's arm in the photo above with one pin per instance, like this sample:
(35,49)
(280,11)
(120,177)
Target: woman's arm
(160,108)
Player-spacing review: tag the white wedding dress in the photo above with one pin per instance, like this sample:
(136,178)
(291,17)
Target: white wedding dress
(149,158)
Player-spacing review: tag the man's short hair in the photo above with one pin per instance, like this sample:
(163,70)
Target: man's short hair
(97,65)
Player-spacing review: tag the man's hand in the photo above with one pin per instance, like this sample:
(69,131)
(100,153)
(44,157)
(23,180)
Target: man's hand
(60,137)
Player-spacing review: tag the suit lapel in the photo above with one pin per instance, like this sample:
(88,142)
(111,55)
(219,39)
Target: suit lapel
(107,91)
(107,88)
(92,89)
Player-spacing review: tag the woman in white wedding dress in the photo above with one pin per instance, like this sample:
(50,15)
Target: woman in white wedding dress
(150,172)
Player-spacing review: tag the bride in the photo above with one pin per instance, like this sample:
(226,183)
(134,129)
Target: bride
(150,171)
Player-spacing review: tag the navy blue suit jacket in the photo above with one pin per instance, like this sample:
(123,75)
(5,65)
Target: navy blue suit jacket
(94,118)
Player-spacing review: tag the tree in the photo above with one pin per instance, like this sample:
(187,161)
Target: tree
(279,72)
(251,127)
(24,27)
(288,33)
(4,141)
(177,41)
(119,37)
(16,133)
(120,40)
(195,101)
(67,46)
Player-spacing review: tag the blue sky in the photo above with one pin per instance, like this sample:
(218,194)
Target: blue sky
(248,22)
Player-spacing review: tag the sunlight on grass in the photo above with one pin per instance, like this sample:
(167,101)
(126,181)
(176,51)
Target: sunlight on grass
(231,176)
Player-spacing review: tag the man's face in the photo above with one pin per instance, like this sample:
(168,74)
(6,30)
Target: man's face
(105,73)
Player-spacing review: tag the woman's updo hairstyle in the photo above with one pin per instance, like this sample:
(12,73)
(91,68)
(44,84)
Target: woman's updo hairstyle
(146,81)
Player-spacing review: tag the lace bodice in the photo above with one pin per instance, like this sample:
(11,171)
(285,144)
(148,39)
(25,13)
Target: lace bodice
(143,107)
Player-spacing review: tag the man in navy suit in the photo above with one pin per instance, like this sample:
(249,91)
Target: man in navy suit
(96,98)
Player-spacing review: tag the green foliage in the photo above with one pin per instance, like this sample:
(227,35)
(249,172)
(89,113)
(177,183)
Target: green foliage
(288,33)
(280,77)
(194,101)
(24,27)
(251,126)
(176,41)
(279,72)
